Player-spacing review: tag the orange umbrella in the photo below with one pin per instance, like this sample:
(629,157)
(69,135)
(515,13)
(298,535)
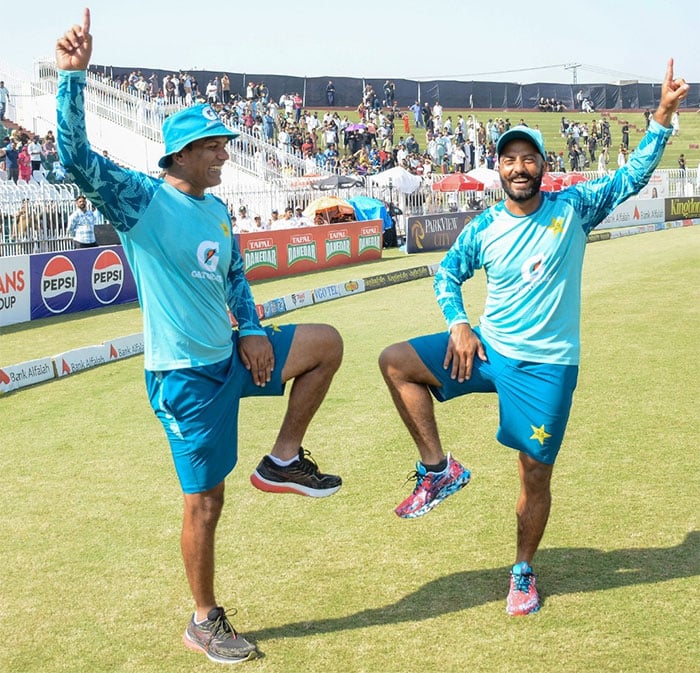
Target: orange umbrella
(328,203)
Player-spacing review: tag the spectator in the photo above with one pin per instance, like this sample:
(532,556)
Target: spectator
(626,135)
(676,123)
(389,93)
(417,114)
(245,223)
(274,217)
(35,153)
(330,93)
(681,163)
(11,159)
(211,92)
(622,156)
(259,224)
(4,100)
(603,162)
(301,219)
(24,163)
(225,89)
(81,224)
(287,221)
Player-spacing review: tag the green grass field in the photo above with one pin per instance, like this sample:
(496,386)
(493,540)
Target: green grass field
(90,568)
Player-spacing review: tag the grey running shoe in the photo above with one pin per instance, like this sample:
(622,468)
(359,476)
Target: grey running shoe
(302,477)
(218,639)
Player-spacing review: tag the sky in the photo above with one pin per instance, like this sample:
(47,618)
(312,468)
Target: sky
(601,41)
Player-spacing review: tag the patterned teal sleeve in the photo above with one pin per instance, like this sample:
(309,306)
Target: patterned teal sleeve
(459,265)
(120,194)
(598,198)
(240,297)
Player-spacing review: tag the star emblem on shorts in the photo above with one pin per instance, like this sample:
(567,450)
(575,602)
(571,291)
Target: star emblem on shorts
(540,434)
(557,225)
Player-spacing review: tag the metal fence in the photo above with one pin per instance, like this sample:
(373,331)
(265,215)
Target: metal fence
(34,217)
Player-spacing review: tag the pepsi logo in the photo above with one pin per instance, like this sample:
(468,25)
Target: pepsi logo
(107,276)
(59,283)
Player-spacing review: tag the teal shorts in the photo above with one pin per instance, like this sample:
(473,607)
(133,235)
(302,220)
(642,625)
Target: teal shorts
(198,408)
(534,398)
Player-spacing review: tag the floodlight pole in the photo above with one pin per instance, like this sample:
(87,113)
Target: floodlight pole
(574,68)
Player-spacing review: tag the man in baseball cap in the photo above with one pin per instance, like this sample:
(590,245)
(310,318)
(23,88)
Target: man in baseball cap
(526,347)
(186,126)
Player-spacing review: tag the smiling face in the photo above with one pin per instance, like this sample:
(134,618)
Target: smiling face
(198,166)
(521,168)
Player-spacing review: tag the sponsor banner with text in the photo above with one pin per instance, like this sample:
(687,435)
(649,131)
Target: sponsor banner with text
(635,212)
(79,280)
(15,297)
(427,233)
(124,347)
(287,252)
(687,208)
(25,374)
(78,359)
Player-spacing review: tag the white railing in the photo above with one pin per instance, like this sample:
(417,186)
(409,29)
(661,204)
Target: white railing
(144,118)
(34,217)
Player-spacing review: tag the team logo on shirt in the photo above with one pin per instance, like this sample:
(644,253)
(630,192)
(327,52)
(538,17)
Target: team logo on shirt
(208,258)
(557,225)
(533,269)
(208,255)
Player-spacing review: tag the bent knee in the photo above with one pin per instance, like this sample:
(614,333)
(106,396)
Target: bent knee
(398,358)
(324,341)
(333,343)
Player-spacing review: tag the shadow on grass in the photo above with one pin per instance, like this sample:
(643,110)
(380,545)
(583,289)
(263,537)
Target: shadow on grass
(563,571)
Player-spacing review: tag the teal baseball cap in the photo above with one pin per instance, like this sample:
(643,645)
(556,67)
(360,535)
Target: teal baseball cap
(192,123)
(522,133)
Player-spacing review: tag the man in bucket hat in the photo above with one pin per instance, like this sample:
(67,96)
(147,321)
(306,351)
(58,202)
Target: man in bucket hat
(188,270)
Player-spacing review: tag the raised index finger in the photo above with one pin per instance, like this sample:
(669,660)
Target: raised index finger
(669,71)
(86,21)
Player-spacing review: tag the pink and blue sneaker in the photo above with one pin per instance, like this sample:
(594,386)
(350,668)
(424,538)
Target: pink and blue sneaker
(432,488)
(523,598)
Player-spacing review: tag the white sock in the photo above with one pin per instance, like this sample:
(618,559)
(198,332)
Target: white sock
(283,463)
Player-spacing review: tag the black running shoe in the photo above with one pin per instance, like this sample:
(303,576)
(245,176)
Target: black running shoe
(218,639)
(301,477)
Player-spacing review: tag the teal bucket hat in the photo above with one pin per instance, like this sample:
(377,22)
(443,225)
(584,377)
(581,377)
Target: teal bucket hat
(522,133)
(190,124)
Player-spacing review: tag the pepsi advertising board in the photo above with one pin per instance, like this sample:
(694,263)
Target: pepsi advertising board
(79,280)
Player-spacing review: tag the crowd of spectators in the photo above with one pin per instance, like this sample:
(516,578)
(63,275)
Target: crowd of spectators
(25,156)
(384,136)
(550,105)
(381,139)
